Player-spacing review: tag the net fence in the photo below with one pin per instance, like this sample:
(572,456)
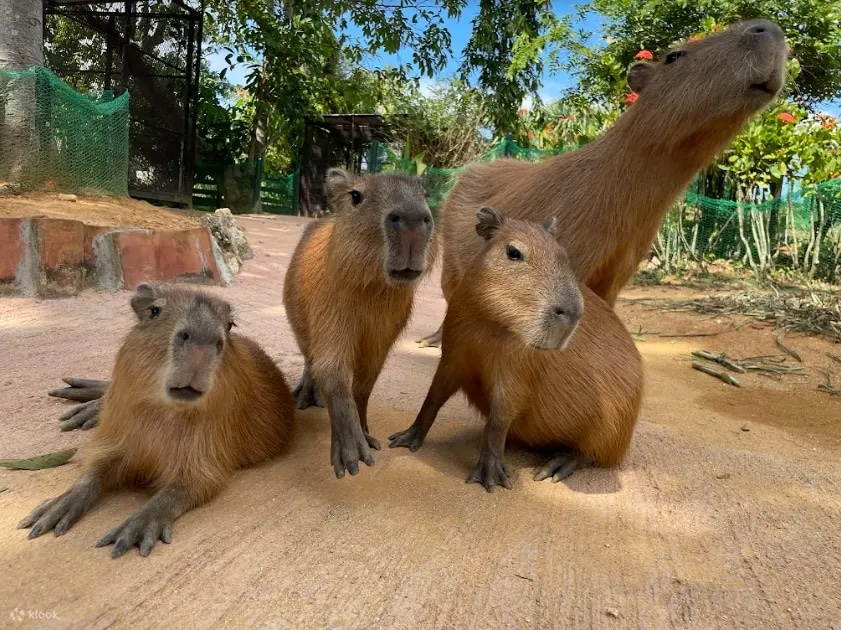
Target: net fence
(54,138)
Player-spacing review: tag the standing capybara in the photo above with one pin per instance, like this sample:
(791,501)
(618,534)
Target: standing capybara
(348,294)
(188,403)
(610,196)
(510,342)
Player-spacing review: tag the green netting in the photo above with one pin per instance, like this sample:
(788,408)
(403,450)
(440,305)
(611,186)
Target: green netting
(55,138)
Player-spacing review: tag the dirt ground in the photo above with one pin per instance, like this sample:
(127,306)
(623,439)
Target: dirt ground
(725,514)
(123,211)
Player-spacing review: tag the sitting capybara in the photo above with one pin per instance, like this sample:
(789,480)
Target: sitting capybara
(188,403)
(542,365)
(348,294)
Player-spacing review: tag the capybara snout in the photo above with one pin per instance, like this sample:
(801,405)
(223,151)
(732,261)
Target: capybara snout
(408,231)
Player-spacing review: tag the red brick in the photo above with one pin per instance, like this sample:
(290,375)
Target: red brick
(11,248)
(186,254)
(137,256)
(61,254)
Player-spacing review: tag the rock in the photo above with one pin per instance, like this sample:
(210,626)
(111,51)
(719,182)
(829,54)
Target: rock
(66,197)
(612,612)
(231,239)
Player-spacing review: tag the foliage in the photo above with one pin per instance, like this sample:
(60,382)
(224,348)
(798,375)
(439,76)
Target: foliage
(443,124)
(504,54)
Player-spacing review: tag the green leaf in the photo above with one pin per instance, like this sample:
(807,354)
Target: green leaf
(50,460)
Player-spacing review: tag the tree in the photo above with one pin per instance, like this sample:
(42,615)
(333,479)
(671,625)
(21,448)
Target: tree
(21,47)
(300,68)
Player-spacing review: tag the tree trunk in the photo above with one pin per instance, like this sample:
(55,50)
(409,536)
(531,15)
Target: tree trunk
(21,47)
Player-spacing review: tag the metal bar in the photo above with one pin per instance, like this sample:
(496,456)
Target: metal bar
(191,154)
(188,109)
(162,16)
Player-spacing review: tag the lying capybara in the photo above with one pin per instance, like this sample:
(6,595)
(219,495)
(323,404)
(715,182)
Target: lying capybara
(188,403)
(516,343)
(348,294)
(610,196)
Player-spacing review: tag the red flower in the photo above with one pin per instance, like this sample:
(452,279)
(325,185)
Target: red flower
(644,54)
(715,27)
(786,118)
(631,98)
(828,123)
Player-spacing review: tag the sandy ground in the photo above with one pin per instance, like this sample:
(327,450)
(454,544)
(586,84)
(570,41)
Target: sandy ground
(704,525)
(99,211)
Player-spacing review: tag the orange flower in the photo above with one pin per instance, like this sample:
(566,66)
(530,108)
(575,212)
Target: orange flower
(786,118)
(523,112)
(644,54)
(829,123)
(548,128)
(631,98)
(693,39)
(715,27)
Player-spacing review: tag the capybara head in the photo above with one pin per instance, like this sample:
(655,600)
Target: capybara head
(193,327)
(525,281)
(717,82)
(392,209)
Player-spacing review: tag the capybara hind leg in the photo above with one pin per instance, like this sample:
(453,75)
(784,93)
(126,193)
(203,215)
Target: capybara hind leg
(81,389)
(561,465)
(306,393)
(433,340)
(443,386)
(84,416)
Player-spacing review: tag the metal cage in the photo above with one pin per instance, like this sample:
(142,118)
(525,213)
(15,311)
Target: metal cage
(152,48)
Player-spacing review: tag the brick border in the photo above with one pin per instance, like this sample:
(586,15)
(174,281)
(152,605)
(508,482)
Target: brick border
(47,257)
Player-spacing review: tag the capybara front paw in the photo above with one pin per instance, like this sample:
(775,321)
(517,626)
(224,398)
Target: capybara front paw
(143,530)
(412,438)
(84,416)
(57,514)
(562,465)
(348,450)
(490,472)
(80,389)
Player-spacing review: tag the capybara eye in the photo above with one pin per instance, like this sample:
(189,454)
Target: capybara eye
(155,311)
(394,218)
(674,56)
(514,253)
(355,197)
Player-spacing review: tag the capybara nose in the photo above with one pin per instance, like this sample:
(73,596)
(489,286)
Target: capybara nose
(411,217)
(763,28)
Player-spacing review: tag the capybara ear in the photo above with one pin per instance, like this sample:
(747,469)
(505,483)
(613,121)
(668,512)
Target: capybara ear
(490,220)
(146,296)
(639,75)
(338,180)
(549,225)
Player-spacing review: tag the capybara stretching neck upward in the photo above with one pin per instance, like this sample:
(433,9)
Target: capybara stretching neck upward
(188,403)
(579,396)
(610,196)
(348,293)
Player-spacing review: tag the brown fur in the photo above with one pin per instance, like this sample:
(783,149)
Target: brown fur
(586,397)
(610,196)
(345,312)
(147,438)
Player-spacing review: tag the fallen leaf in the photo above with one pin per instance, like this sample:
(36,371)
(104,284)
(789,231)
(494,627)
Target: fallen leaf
(50,460)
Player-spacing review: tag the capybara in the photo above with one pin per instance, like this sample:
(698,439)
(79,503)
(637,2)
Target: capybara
(348,294)
(610,196)
(510,343)
(188,403)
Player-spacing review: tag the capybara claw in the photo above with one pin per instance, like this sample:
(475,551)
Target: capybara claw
(411,438)
(490,472)
(561,465)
